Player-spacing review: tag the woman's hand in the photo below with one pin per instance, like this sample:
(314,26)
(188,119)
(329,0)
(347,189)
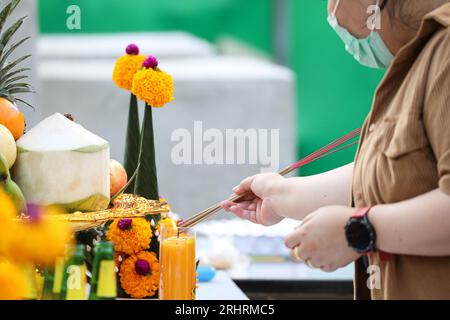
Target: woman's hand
(257,205)
(321,239)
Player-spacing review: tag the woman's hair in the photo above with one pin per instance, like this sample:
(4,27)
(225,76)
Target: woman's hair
(411,12)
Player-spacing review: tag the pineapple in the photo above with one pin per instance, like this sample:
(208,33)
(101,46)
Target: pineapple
(9,85)
(12,78)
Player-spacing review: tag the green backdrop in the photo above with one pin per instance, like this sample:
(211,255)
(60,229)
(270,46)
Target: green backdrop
(249,20)
(334,92)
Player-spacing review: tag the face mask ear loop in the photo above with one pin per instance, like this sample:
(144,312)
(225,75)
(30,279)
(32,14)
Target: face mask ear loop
(335,8)
(378,14)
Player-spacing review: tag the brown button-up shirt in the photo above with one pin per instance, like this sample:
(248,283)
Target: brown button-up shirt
(405,152)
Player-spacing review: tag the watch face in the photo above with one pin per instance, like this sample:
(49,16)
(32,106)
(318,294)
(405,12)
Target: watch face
(359,235)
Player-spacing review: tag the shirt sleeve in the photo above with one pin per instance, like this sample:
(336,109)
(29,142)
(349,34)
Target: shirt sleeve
(437,112)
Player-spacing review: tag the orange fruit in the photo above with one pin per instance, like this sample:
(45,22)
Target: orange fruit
(12,118)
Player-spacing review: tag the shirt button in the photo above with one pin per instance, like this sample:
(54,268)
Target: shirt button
(372,127)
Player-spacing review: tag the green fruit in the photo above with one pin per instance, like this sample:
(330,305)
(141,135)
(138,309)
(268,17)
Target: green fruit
(10,187)
(4,169)
(13,190)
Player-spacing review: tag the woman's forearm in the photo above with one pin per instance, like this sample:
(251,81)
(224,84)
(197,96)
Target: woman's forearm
(419,226)
(295,198)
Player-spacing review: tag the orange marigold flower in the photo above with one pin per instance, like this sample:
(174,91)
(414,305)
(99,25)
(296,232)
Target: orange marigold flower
(125,69)
(155,87)
(139,275)
(130,236)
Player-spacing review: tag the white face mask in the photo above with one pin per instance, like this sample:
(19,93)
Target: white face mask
(371,51)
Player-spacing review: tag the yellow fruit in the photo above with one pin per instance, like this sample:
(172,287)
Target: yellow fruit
(12,118)
(7,146)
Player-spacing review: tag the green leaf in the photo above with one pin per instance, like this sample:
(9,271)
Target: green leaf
(13,64)
(147,180)
(133,141)
(130,181)
(11,50)
(15,79)
(20,90)
(6,36)
(14,4)
(13,73)
(18,85)
(24,102)
(4,15)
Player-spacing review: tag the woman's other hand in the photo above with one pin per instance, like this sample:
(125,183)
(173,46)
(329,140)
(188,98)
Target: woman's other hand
(321,239)
(257,205)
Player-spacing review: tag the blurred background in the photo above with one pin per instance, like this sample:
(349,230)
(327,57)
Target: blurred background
(262,64)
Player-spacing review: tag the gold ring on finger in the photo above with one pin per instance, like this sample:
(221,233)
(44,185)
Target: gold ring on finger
(309,264)
(297,253)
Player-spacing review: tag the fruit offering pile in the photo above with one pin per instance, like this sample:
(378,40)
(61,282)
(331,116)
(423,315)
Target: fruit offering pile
(60,164)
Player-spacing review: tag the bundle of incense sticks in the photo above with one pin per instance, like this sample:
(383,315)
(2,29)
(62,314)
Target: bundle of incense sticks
(333,147)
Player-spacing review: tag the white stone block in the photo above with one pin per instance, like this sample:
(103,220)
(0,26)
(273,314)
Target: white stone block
(110,46)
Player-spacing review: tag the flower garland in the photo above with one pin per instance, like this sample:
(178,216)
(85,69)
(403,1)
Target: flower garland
(130,236)
(139,275)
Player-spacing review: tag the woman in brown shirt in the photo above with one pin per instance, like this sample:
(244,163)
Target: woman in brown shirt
(395,197)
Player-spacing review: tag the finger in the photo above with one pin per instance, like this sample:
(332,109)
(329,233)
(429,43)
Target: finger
(241,213)
(226,205)
(252,206)
(293,239)
(244,186)
(328,268)
(246,205)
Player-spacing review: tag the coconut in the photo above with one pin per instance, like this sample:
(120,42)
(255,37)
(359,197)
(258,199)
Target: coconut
(61,163)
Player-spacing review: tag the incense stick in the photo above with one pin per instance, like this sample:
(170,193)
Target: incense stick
(319,154)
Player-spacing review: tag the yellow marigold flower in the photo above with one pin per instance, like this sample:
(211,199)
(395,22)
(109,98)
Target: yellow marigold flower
(130,236)
(139,275)
(170,227)
(7,214)
(13,285)
(41,240)
(125,69)
(155,87)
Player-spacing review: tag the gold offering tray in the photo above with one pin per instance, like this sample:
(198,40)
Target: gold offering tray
(123,207)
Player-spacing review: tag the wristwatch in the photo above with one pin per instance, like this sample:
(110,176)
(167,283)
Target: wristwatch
(360,233)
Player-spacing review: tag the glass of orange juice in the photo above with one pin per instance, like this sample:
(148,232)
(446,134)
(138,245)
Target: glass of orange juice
(178,265)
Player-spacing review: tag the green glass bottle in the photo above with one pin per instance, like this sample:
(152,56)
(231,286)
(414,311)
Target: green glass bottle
(53,280)
(73,285)
(49,281)
(103,284)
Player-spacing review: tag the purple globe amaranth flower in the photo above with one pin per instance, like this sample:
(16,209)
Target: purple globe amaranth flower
(132,49)
(124,224)
(142,267)
(34,212)
(150,62)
